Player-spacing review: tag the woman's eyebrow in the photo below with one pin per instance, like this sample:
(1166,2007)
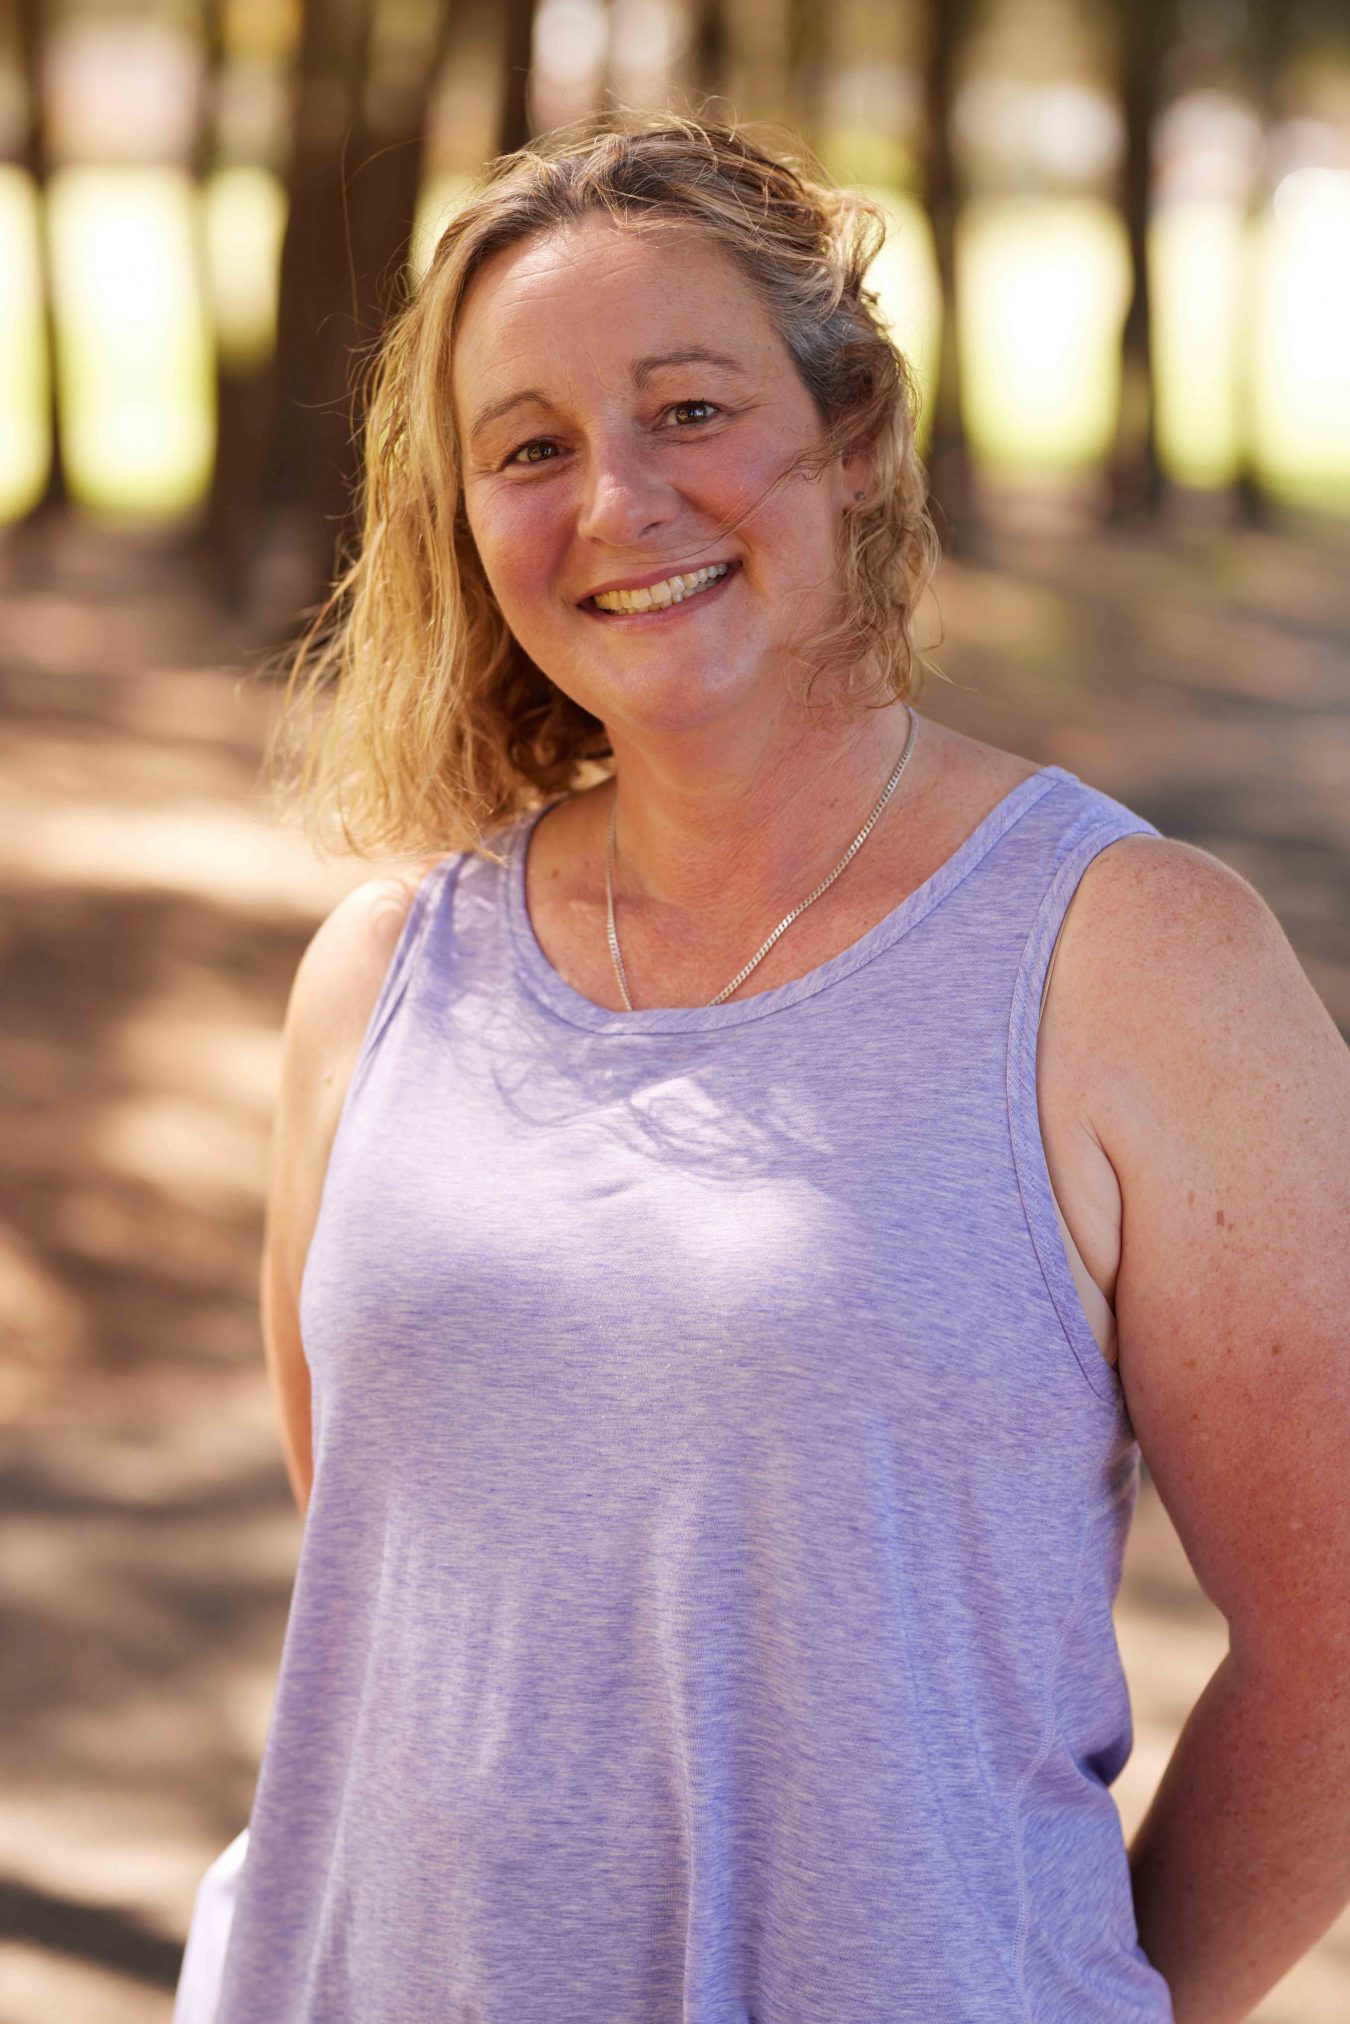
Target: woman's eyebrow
(643,368)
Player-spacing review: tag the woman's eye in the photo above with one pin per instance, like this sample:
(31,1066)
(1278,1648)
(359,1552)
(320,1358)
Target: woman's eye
(691,404)
(544,442)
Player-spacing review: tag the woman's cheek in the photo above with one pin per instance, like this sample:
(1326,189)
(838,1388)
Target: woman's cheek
(517,538)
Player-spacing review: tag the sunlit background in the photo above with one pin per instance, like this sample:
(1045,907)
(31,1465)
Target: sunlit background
(148,163)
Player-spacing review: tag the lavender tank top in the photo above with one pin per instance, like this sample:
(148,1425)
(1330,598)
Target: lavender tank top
(703,1611)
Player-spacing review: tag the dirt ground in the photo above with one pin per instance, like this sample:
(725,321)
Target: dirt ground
(152,912)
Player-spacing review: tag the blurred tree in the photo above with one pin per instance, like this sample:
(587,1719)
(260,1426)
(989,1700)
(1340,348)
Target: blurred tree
(755,56)
(709,50)
(950,494)
(363,78)
(1269,24)
(309,467)
(1238,53)
(807,55)
(243,384)
(27,18)
(514,128)
(1135,486)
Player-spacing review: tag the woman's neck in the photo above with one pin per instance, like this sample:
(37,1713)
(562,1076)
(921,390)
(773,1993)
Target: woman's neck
(753,831)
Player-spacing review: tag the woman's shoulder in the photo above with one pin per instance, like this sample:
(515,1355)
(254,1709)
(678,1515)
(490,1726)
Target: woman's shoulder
(342,969)
(1161,903)
(1162,939)
(359,933)
(1190,1041)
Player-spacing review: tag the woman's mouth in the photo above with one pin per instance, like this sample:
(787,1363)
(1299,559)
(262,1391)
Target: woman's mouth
(667,601)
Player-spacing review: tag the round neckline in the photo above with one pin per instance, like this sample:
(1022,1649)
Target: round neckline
(551,988)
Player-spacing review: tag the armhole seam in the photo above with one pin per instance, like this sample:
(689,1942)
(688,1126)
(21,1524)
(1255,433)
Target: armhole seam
(407,947)
(1028,1149)
(403,961)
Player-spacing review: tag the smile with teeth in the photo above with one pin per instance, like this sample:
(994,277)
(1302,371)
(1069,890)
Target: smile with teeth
(658,595)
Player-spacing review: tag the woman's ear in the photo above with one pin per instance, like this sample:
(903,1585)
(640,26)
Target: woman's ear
(859,471)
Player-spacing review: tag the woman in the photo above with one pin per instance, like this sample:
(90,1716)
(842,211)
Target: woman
(736,1287)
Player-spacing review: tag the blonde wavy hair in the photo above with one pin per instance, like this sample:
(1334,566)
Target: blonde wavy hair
(412,721)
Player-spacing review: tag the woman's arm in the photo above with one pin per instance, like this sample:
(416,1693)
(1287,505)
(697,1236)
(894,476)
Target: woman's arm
(1220,1090)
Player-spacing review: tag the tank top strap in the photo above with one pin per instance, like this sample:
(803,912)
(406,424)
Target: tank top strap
(1089,824)
(403,964)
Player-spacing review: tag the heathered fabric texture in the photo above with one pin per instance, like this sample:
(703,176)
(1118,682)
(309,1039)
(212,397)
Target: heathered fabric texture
(704,1606)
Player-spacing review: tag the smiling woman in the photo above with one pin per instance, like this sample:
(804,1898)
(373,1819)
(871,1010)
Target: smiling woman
(449,713)
(718,1419)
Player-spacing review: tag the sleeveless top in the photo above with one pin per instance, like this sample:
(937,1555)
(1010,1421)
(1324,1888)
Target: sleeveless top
(703,1610)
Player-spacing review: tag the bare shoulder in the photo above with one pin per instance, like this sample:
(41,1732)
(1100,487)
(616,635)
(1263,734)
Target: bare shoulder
(1163,889)
(340,973)
(1219,1087)
(1178,978)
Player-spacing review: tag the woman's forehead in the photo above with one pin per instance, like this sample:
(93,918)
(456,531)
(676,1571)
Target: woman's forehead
(634,298)
(593,268)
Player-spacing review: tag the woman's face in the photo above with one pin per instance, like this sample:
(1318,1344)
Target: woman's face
(612,467)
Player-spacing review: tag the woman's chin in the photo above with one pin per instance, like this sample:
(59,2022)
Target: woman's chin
(671,702)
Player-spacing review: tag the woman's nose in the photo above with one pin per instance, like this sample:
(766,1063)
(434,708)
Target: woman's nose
(621,500)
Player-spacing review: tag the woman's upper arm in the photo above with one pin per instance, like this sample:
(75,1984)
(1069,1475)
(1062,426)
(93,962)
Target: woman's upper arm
(1220,1091)
(331,1000)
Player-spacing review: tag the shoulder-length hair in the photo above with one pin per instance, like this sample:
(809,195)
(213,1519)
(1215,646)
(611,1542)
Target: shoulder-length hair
(423,724)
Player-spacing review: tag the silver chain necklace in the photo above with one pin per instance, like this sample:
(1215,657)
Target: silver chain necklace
(787,919)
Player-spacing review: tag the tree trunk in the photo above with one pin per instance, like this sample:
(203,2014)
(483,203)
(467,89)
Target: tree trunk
(1269,46)
(309,467)
(229,526)
(29,17)
(291,479)
(517,51)
(1134,476)
(950,495)
(807,55)
(351,195)
(709,51)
